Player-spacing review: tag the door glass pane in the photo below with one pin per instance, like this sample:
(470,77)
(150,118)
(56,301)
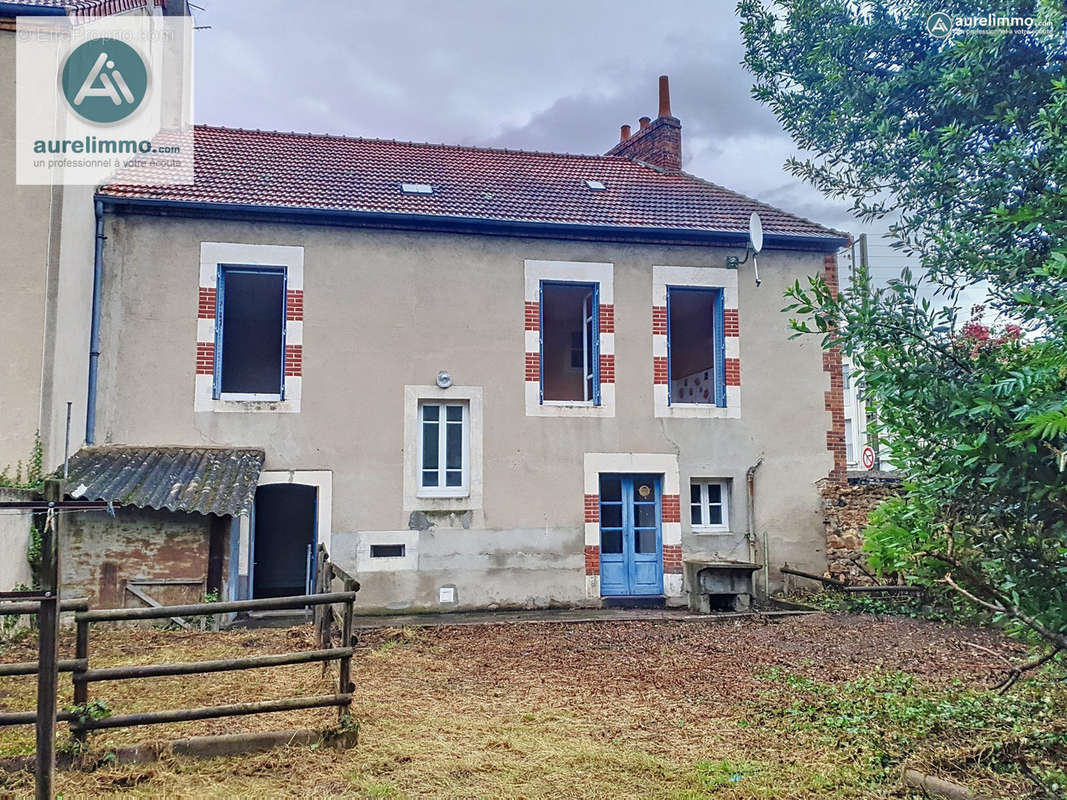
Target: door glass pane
(454,445)
(611,515)
(645,515)
(611,489)
(430,444)
(611,541)
(644,541)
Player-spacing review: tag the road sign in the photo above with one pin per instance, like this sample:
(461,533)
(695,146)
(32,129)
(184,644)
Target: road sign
(868,457)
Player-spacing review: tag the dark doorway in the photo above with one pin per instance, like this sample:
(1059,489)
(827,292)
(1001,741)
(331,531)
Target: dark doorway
(285,528)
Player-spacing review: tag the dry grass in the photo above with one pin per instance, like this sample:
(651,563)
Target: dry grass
(640,709)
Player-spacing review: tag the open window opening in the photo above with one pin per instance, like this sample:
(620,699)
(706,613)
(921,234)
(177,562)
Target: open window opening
(696,362)
(570,343)
(250,333)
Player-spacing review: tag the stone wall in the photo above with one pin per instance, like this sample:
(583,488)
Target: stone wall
(845,511)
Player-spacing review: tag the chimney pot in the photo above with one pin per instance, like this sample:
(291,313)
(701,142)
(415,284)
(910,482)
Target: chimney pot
(624,133)
(664,96)
(644,122)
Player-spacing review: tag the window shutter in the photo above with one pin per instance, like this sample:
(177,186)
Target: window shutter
(594,301)
(720,350)
(220,303)
(541,342)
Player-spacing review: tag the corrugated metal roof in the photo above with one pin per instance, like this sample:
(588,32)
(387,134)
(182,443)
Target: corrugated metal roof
(207,480)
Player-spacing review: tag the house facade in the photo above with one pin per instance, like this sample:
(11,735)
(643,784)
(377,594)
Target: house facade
(479,378)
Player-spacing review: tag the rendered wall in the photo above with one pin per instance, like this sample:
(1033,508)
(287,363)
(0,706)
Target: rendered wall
(385,310)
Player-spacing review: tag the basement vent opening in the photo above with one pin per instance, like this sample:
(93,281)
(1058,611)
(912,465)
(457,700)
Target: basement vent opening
(387,551)
(416,188)
(596,186)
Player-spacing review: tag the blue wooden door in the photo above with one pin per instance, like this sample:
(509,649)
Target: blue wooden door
(631,556)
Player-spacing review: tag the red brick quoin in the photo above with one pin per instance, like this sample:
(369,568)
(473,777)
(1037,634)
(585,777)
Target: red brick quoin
(592,559)
(592,508)
(206,303)
(672,559)
(834,399)
(205,358)
(533,366)
(294,360)
(672,508)
(533,316)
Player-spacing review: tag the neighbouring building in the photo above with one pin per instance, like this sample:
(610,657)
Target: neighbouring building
(478,377)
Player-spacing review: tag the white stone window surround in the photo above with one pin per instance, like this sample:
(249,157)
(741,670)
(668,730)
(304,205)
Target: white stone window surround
(365,562)
(665,464)
(214,254)
(601,273)
(704,277)
(413,395)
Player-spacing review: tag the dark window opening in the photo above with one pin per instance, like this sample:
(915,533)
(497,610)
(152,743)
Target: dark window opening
(695,360)
(570,343)
(387,551)
(251,327)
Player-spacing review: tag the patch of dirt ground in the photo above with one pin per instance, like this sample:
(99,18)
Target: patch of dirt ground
(606,709)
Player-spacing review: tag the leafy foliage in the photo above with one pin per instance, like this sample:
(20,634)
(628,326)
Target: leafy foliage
(963,140)
(884,716)
(34,477)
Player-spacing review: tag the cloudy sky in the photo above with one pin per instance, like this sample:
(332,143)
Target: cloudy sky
(558,75)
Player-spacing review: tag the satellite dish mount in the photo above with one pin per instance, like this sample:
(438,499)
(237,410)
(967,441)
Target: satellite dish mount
(755,244)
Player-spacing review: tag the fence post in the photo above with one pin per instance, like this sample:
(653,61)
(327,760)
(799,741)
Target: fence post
(81,686)
(345,683)
(47,642)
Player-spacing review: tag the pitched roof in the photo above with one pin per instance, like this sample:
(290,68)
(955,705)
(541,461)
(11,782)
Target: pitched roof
(277,170)
(94,8)
(207,480)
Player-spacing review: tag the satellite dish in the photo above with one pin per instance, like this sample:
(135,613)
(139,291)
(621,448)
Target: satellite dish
(755,238)
(755,232)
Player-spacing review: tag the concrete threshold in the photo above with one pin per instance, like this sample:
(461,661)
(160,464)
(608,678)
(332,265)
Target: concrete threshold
(433,620)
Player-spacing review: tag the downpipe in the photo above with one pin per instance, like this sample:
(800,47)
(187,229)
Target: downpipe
(750,532)
(94,327)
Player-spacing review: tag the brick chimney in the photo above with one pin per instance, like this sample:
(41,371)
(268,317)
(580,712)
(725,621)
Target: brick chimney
(657,141)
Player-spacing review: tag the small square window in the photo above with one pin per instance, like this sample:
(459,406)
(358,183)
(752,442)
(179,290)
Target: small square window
(387,551)
(709,504)
(444,449)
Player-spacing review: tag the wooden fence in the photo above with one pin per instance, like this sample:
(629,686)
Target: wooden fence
(83,675)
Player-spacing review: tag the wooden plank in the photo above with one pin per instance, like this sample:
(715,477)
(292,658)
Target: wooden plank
(31,667)
(207,609)
(153,603)
(48,644)
(30,607)
(214,712)
(221,665)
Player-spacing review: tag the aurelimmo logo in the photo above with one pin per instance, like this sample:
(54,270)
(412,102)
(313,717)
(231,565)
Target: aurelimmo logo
(104,80)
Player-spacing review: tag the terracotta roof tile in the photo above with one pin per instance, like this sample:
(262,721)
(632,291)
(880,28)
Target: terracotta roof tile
(307,171)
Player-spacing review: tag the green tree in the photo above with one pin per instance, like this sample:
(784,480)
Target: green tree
(962,142)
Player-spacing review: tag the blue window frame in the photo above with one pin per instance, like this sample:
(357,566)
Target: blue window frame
(569,338)
(250,315)
(696,346)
